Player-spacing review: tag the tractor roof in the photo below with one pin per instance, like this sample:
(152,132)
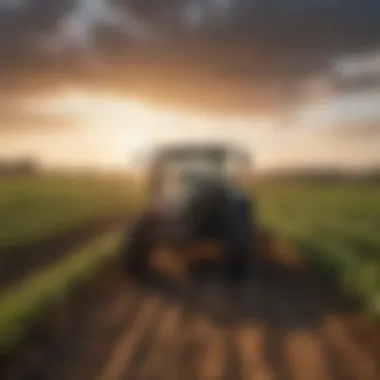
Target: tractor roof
(211,149)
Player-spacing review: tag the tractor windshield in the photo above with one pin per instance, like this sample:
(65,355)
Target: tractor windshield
(181,176)
(183,170)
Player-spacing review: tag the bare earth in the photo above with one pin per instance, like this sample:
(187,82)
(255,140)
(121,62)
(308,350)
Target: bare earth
(283,323)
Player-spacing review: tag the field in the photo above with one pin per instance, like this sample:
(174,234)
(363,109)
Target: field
(336,229)
(24,305)
(35,208)
(332,226)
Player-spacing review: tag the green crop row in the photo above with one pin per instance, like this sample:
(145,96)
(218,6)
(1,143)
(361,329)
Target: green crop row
(336,228)
(21,307)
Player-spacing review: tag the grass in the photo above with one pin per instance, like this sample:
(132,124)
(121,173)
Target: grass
(336,229)
(36,208)
(21,307)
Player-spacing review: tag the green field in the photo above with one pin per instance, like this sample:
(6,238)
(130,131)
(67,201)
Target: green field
(34,208)
(334,226)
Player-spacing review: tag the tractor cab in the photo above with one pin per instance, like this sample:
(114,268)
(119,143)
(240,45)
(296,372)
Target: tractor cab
(179,170)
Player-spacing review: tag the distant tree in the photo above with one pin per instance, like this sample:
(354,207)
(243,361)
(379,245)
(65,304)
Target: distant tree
(23,165)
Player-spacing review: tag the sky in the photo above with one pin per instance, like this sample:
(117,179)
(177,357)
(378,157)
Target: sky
(93,83)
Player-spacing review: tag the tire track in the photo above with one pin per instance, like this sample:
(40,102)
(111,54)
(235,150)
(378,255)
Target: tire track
(215,344)
(125,348)
(211,357)
(165,348)
(264,329)
(353,360)
(304,357)
(250,341)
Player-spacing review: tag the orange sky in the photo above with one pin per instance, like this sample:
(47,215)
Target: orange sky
(109,132)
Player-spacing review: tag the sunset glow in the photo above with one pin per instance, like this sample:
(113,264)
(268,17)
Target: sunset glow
(110,132)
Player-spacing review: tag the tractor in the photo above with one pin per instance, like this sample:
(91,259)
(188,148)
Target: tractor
(199,212)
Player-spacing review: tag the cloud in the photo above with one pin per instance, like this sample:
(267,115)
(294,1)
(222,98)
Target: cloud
(15,116)
(77,29)
(196,13)
(251,62)
(354,131)
(12,5)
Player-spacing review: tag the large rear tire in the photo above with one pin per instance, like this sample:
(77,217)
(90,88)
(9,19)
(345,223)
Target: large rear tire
(138,247)
(240,224)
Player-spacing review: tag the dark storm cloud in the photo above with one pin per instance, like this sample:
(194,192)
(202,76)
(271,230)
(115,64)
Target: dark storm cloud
(216,55)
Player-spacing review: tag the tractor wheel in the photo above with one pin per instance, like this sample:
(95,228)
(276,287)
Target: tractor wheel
(138,246)
(238,239)
(254,241)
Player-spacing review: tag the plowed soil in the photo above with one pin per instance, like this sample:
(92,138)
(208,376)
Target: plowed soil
(283,322)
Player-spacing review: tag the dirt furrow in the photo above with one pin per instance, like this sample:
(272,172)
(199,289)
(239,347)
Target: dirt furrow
(207,352)
(264,329)
(124,351)
(164,349)
(304,357)
(250,341)
(353,359)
